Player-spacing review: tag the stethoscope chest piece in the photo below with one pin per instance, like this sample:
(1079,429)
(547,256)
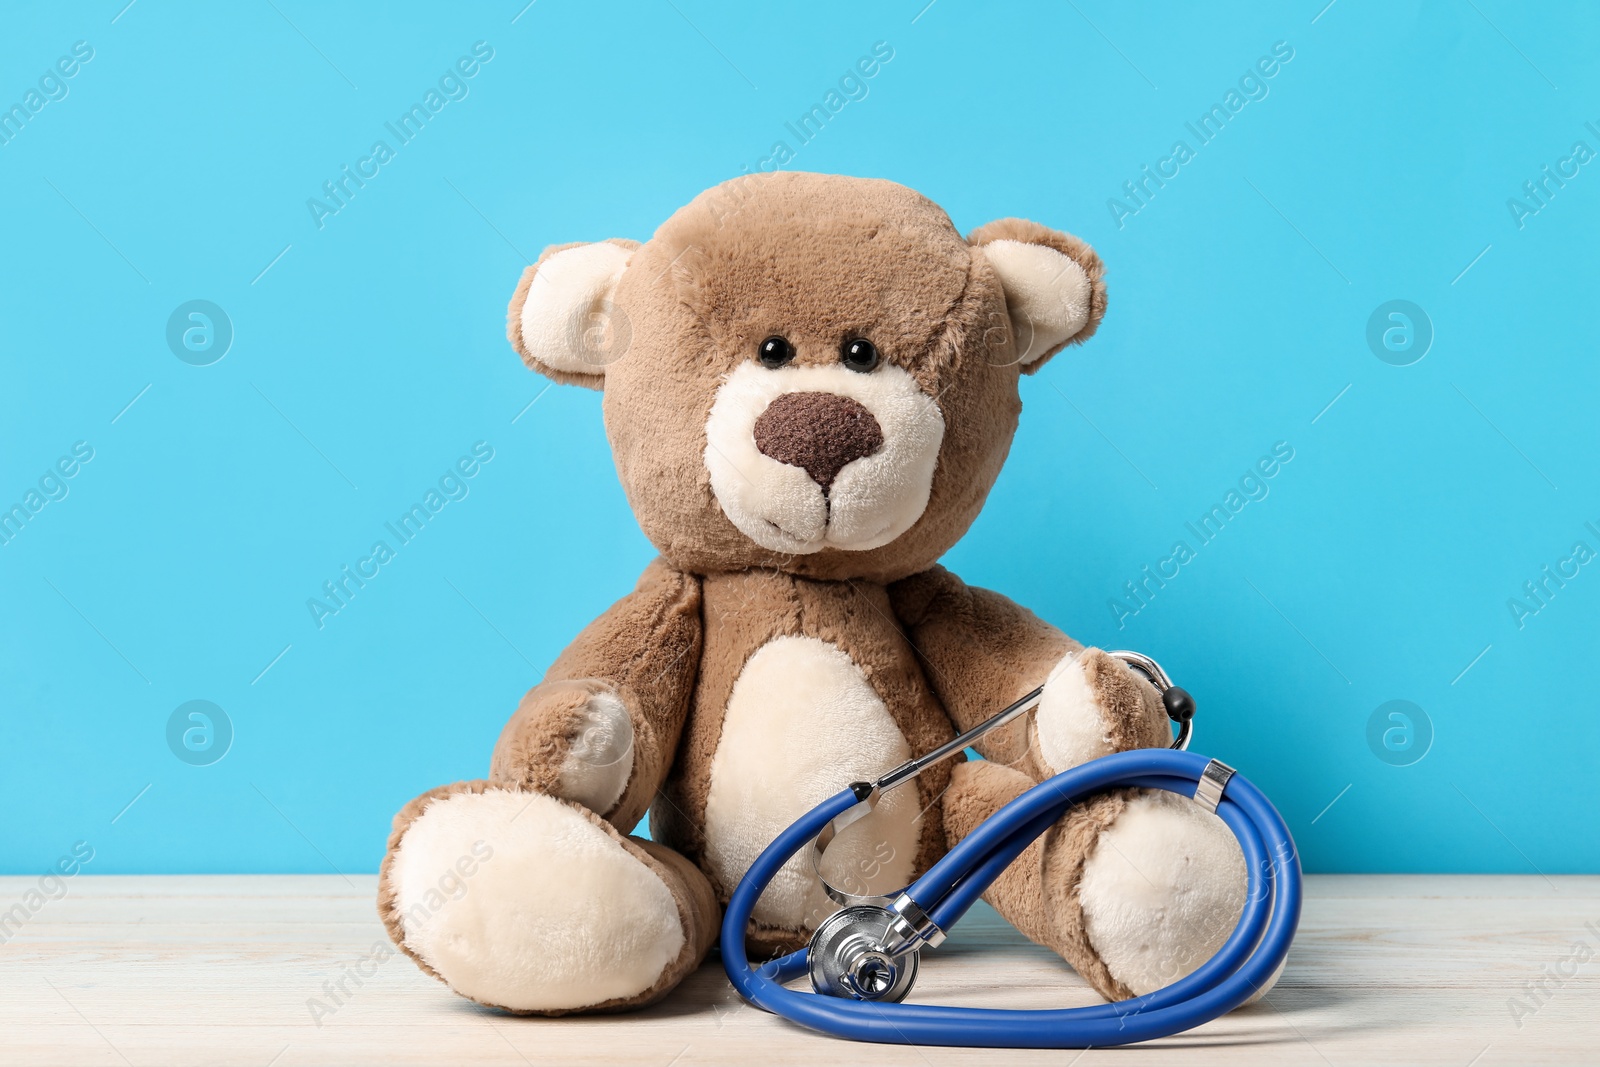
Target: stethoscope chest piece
(863,959)
(847,958)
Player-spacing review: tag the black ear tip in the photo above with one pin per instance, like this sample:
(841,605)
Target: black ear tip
(1179,704)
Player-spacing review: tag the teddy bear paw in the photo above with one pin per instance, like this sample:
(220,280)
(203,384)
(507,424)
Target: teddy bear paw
(1162,890)
(524,902)
(599,756)
(572,739)
(1094,705)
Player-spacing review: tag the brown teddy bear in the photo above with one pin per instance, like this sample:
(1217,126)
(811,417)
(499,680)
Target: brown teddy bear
(810,385)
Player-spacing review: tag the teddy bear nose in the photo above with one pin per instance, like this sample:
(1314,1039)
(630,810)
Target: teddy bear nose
(819,432)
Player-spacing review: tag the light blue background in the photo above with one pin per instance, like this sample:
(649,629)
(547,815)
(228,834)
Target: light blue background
(371,355)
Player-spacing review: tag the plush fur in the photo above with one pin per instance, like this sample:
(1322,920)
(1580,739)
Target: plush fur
(597,766)
(807,699)
(1154,906)
(1047,294)
(774,494)
(520,930)
(797,633)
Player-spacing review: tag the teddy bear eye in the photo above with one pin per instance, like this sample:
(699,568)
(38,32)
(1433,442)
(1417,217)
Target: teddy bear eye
(859,354)
(775,351)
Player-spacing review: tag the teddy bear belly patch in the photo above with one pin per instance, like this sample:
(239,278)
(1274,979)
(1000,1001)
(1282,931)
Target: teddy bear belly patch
(802,722)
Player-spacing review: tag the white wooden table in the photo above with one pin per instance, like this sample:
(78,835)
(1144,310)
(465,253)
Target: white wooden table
(220,970)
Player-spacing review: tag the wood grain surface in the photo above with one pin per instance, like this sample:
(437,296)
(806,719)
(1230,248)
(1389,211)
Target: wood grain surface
(1469,971)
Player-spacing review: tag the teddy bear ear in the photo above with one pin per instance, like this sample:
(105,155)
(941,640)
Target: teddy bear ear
(1054,285)
(562,320)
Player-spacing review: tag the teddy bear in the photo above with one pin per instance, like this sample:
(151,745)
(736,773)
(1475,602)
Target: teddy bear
(809,385)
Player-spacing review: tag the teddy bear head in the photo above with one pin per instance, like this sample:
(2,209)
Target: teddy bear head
(805,372)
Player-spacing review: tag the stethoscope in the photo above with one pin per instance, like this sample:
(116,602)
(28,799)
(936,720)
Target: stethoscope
(863,959)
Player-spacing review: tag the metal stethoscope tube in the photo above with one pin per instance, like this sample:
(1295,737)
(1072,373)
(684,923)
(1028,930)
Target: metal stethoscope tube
(866,954)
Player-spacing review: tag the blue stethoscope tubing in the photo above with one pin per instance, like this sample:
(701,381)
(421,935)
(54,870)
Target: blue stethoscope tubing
(1249,958)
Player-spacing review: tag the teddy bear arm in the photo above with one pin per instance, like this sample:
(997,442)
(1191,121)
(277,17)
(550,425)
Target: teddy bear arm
(981,651)
(602,726)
